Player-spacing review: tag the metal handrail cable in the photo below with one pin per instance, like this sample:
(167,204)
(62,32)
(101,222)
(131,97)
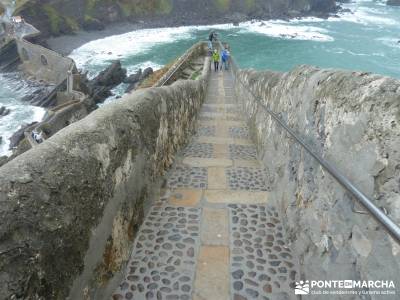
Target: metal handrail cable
(392,228)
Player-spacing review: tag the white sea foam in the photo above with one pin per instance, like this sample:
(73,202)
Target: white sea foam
(12,89)
(390,41)
(287,30)
(146,64)
(365,15)
(123,45)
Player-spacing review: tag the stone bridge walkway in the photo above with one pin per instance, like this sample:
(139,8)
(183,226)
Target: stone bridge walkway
(213,234)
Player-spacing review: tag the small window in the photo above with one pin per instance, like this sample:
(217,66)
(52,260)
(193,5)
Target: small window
(25,55)
(43,59)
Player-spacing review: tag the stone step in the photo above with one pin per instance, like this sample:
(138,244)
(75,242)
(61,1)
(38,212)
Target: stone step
(260,261)
(214,234)
(163,262)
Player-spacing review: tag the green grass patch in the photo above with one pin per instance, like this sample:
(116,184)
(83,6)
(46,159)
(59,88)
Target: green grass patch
(223,5)
(195,75)
(250,4)
(72,23)
(90,5)
(54,18)
(165,7)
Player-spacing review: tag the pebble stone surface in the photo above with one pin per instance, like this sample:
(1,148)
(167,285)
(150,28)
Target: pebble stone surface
(163,262)
(262,267)
(200,150)
(244,152)
(243,178)
(187,177)
(206,131)
(193,245)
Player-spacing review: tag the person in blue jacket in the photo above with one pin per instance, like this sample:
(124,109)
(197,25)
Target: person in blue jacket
(225,55)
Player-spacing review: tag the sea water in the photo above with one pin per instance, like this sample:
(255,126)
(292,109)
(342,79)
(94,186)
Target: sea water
(365,39)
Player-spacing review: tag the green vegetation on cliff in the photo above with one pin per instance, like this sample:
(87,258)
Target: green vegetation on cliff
(223,5)
(55,17)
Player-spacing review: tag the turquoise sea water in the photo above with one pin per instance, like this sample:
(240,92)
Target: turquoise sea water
(365,39)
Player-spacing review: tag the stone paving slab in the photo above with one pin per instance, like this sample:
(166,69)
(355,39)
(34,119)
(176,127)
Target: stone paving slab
(221,105)
(216,179)
(261,264)
(185,197)
(213,234)
(220,116)
(207,162)
(163,262)
(215,227)
(221,149)
(212,274)
(230,99)
(223,140)
(221,122)
(241,163)
(224,196)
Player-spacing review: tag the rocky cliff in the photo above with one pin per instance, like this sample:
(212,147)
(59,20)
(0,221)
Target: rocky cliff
(57,17)
(352,120)
(70,208)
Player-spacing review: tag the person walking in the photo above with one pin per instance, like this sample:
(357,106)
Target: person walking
(216,58)
(210,40)
(225,56)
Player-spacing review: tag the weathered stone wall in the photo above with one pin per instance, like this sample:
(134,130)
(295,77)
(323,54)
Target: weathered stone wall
(353,120)
(42,63)
(70,208)
(174,72)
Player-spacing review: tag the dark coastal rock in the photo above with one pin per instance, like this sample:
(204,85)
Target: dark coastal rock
(92,24)
(393,2)
(3,160)
(137,78)
(18,136)
(147,72)
(100,87)
(4,111)
(9,58)
(43,96)
(133,78)
(111,76)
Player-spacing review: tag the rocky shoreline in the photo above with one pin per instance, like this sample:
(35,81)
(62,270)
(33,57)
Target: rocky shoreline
(188,13)
(65,44)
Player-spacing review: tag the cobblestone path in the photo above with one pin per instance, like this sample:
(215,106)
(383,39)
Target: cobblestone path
(213,234)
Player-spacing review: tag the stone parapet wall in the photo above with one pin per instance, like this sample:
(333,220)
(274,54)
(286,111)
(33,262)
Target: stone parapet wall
(43,64)
(70,208)
(352,119)
(195,51)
